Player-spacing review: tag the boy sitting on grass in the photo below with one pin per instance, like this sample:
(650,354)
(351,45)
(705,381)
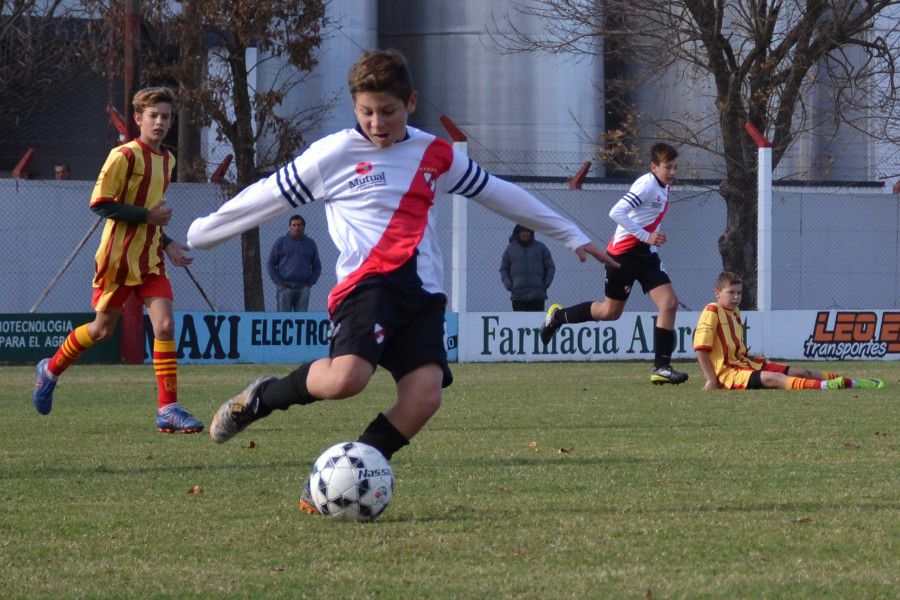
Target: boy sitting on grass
(719,344)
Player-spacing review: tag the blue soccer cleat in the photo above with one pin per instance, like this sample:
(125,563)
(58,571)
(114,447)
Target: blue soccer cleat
(174,419)
(43,388)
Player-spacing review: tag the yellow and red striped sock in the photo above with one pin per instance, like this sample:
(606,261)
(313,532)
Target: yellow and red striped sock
(165,365)
(798,383)
(70,350)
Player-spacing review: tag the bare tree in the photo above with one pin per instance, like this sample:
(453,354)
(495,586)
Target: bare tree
(36,54)
(210,50)
(763,61)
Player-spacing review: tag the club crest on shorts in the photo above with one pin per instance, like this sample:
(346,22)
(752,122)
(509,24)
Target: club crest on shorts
(379,333)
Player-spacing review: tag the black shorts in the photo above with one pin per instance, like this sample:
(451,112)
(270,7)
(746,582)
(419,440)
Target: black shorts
(644,267)
(399,331)
(755,381)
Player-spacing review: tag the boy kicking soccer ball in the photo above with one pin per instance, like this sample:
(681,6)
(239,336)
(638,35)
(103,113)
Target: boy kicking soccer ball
(129,193)
(719,344)
(638,216)
(379,182)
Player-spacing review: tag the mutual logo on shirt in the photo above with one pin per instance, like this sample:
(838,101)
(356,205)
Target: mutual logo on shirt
(367,180)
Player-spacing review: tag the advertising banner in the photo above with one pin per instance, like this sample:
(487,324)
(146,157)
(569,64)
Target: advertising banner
(256,337)
(793,335)
(27,338)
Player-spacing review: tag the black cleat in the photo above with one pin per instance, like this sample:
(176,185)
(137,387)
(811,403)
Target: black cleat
(662,375)
(551,324)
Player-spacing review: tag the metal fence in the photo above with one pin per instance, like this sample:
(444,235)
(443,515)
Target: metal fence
(830,249)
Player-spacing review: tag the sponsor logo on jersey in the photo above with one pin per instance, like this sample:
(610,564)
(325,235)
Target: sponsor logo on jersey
(363,168)
(368,181)
(853,334)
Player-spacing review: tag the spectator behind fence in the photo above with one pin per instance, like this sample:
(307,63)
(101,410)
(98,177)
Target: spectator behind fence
(62,172)
(527,270)
(294,267)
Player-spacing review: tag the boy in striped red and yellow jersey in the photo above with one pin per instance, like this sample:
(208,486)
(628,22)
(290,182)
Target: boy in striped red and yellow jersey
(129,193)
(723,357)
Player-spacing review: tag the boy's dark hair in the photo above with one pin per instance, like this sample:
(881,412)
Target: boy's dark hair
(662,152)
(727,278)
(381,71)
(297,218)
(153,95)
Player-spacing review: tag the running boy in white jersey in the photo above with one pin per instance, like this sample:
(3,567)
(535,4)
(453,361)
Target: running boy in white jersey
(379,182)
(638,215)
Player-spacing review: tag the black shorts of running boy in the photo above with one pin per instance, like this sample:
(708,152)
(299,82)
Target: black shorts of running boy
(397,330)
(644,267)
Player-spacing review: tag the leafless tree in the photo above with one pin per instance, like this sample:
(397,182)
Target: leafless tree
(36,57)
(203,48)
(763,61)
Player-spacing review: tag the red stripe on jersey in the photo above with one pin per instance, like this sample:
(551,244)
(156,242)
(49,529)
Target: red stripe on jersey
(123,193)
(403,233)
(629,241)
(735,338)
(139,200)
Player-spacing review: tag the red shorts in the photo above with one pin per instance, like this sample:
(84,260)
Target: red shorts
(114,296)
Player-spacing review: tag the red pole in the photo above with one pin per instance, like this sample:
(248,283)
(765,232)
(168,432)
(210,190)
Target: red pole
(20,171)
(578,179)
(132,312)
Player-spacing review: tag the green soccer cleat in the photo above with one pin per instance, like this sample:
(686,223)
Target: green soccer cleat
(838,383)
(868,383)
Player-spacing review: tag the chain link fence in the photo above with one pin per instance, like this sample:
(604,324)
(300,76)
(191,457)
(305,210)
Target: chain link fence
(831,248)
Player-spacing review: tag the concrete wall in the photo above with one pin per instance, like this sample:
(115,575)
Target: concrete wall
(831,250)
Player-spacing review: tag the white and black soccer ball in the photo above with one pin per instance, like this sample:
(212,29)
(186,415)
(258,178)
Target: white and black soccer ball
(351,481)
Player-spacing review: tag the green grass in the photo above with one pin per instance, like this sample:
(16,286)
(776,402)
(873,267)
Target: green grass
(682,492)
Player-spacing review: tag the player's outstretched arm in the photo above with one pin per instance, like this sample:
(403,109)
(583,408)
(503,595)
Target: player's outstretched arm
(519,206)
(590,249)
(253,206)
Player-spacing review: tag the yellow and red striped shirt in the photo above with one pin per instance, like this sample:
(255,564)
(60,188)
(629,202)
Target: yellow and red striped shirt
(720,332)
(133,174)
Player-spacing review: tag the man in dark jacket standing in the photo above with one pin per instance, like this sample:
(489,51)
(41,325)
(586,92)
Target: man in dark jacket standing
(294,267)
(527,270)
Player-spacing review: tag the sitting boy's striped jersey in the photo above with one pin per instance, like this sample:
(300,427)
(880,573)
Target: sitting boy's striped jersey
(719,332)
(137,175)
(638,214)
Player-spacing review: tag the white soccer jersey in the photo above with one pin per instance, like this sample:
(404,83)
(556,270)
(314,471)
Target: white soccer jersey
(379,204)
(638,214)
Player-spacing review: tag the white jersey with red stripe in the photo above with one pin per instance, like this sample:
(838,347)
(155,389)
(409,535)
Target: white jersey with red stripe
(380,206)
(638,214)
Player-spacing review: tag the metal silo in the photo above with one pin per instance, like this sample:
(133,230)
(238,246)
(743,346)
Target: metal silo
(353,29)
(525,114)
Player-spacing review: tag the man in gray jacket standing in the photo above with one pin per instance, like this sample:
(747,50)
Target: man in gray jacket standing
(294,267)
(527,270)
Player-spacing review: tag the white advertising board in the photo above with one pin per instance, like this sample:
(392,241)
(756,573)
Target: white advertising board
(796,335)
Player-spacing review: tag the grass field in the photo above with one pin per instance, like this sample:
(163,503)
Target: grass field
(533,480)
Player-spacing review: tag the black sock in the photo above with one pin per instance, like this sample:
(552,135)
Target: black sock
(382,435)
(580,313)
(663,344)
(291,389)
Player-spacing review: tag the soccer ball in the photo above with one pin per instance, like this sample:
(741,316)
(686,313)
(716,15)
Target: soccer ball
(351,481)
